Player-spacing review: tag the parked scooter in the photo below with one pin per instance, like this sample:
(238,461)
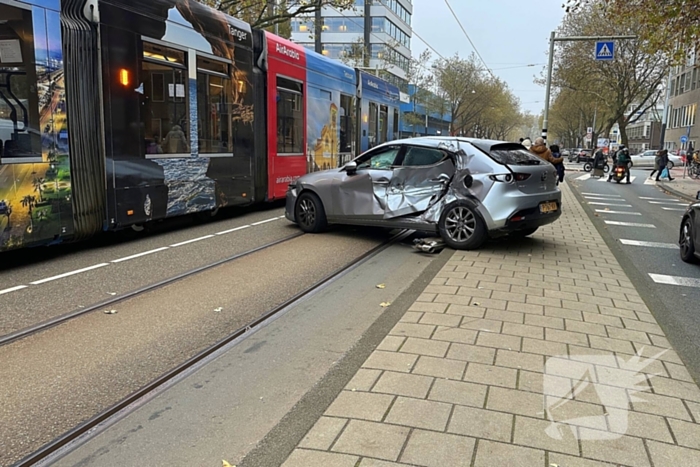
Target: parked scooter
(588,166)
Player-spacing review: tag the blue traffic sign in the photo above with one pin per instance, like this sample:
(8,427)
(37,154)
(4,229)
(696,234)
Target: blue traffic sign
(684,139)
(605,50)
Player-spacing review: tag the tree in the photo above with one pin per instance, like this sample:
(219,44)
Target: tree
(265,14)
(670,26)
(39,187)
(356,55)
(624,88)
(458,78)
(419,80)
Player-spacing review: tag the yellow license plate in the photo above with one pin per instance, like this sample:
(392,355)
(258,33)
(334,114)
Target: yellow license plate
(548,207)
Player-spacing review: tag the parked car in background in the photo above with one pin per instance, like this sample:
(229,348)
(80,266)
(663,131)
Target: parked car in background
(690,233)
(644,159)
(566,153)
(584,155)
(466,190)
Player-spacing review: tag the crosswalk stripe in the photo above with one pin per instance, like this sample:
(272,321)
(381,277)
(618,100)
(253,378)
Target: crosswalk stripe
(675,203)
(670,246)
(630,224)
(675,280)
(601,194)
(675,209)
(618,212)
(611,204)
(653,199)
(601,198)
(650,181)
(584,177)
(632,179)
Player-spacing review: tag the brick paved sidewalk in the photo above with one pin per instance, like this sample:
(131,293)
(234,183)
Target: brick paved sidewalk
(521,354)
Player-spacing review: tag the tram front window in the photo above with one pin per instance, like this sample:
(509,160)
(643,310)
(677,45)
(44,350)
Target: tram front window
(20,137)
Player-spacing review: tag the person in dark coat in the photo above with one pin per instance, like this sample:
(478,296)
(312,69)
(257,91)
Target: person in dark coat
(657,162)
(663,164)
(556,154)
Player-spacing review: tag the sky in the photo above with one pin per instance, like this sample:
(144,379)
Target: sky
(507,34)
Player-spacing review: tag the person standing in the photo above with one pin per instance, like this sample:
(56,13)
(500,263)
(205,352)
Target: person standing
(556,153)
(657,163)
(527,143)
(540,149)
(663,164)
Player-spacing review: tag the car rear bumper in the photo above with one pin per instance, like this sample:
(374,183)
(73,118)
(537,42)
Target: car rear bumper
(531,218)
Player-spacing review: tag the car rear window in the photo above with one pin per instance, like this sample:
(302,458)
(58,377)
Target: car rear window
(513,155)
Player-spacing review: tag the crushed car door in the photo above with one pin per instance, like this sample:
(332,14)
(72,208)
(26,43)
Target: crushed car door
(419,181)
(363,194)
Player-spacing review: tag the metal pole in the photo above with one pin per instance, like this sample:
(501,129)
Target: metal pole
(664,117)
(594,140)
(545,123)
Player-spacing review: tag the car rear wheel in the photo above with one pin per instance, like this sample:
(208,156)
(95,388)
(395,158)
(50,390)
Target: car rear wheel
(309,213)
(687,245)
(669,166)
(461,228)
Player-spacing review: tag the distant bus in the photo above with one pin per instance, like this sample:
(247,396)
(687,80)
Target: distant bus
(161,108)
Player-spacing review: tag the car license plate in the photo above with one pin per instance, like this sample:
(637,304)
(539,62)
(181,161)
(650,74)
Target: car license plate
(550,206)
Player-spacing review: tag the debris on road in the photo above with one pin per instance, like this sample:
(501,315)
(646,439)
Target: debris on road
(384,304)
(381,286)
(110,312)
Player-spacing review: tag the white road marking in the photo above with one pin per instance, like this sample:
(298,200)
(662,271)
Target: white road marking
(668,202)
(675,209)
(71,273)
(675,280)
(265,221)
(654,199)
(670,246)
(618,212)
(233,230)
(630,224)
(650,181)
(632,179)
(13,289)
(190,241)
(138,255)
(600,194)
(584,177)
(599,198)
(611,204)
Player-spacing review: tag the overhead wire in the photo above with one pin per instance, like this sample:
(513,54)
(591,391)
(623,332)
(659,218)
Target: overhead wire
(469,39)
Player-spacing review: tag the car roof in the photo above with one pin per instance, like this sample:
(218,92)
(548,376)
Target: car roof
(435,141)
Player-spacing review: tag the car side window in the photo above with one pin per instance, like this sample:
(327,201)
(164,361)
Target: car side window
(419,157)
(381,160)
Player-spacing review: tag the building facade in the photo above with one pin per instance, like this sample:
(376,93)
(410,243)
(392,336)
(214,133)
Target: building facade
(383,25)
(645,133)
(683,106)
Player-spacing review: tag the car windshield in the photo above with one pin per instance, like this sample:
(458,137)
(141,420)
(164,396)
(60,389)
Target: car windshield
(514,157)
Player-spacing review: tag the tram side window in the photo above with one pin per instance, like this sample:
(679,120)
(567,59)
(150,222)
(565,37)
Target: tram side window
(373,111)
(290,118)
(166,101)
(347,123)
(214,101)
(396,124)
(21,79)
(383,124)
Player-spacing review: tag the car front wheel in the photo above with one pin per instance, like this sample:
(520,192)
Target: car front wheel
(687,244)
(309,213)
(461,228)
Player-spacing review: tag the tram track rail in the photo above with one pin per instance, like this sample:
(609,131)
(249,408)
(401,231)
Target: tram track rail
(111,302)
(64,444)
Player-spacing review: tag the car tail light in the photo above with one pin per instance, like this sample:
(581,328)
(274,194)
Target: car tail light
(505,178)
(521,177)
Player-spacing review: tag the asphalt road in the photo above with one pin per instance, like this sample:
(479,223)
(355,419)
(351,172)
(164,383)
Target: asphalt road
(54,380)
(33,291)
(641,224)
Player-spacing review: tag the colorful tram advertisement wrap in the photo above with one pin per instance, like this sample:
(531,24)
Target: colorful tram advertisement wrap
(115,113)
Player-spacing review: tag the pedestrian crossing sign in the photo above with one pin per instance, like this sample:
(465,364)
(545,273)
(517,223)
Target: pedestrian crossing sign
(605,50)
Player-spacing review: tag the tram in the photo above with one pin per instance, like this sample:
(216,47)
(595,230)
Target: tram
(116,113)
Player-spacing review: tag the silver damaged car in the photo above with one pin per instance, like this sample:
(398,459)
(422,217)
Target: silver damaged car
(466,190)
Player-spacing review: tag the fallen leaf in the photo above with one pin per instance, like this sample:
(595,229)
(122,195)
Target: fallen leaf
(217,310)
(226,464)
(476,303)
(111,293)
(381,286)
(384,304)
(110,312)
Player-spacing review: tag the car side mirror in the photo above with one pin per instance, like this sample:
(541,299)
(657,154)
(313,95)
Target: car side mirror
(351,168)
